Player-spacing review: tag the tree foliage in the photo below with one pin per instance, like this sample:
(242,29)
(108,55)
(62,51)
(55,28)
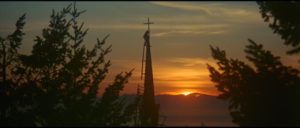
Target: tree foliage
(263,95)
(283,19)
(9,58)
(58,83)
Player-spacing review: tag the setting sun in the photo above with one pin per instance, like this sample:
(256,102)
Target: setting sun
(186,93)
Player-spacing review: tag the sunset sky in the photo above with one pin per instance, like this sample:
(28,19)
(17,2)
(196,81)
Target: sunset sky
(180,36)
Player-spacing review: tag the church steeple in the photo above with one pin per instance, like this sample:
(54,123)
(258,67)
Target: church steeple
(149,109)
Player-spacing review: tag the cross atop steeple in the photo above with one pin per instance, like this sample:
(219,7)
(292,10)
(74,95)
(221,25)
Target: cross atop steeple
(149,24)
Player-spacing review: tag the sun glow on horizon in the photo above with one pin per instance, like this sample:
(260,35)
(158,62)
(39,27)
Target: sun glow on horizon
(186,93)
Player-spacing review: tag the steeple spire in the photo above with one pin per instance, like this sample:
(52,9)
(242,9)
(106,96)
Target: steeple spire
(149,109)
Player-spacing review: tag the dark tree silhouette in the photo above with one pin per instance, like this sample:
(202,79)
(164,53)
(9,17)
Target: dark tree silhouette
(264,95)
(283,18)
(57,84)
(9,60)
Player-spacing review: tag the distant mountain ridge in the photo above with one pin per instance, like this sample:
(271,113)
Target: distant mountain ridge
(192,110)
